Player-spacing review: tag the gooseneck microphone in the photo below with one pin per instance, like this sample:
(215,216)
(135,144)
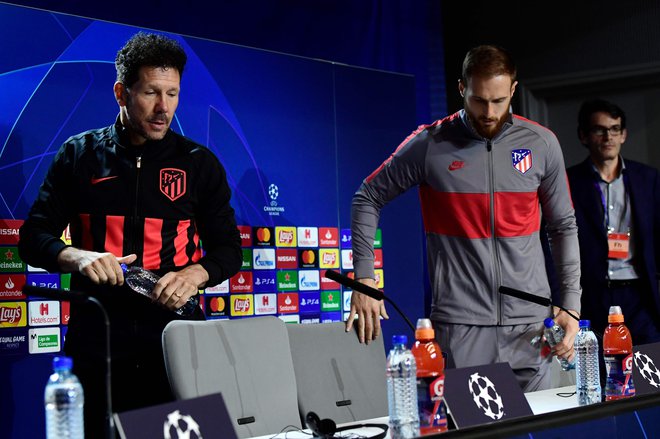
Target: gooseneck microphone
(543,301)
(365,289)
(79,297)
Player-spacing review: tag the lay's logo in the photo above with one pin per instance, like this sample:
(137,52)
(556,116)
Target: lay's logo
(285,236)
(242,305)
(329,258)
(13,314)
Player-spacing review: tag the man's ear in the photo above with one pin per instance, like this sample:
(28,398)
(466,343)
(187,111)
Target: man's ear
(461,88)
(120,93)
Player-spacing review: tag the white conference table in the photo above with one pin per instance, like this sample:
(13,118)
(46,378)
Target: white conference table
(543,401)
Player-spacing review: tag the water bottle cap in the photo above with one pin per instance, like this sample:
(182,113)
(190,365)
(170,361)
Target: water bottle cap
(424,323)
(124,268)
(399,339)
(585,323)
(60,363)
(549,323)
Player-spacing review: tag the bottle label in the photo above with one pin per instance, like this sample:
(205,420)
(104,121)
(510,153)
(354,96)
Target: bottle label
(432,412)
(619,375)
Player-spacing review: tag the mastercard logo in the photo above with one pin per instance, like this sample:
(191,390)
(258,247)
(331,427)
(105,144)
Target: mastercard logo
(308,257)
(263,234)
(218,304)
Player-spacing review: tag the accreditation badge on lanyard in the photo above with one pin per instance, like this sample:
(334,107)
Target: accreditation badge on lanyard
(618,245)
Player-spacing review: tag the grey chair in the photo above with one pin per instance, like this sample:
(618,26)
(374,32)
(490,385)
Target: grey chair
(248,361)
(336,376)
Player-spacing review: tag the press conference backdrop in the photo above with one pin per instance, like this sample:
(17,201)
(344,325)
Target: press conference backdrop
(296,136)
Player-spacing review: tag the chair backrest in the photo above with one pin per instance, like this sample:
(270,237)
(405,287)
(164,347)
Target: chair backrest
(248,361)
(336,376)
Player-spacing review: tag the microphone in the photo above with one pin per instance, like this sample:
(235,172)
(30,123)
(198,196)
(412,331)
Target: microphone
(365,289)
(79,297)
(543,301)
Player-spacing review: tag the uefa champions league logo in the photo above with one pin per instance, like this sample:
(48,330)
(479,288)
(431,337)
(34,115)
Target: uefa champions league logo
(178,426)
(647,369)
(273,193)
(485,396)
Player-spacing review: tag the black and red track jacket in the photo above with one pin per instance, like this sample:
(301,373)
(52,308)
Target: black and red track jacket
(158,201)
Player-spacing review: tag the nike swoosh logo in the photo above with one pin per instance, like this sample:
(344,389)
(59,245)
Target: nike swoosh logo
(99,180)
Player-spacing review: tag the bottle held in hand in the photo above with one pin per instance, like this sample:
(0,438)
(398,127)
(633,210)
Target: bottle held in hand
(143,281)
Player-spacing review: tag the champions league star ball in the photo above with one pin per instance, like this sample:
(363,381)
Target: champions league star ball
(647,369)
(273,192)
(180,426)
(485,396)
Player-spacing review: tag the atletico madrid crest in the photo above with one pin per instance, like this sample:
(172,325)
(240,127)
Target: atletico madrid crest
(172,182)
(521,160)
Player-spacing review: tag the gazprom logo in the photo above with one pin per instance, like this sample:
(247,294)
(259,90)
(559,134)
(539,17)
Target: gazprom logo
(309,280)
(263,258)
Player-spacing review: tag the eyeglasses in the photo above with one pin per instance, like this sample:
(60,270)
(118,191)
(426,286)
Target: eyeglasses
(600,131)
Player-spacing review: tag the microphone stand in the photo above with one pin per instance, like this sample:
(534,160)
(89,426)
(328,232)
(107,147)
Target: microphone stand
(365,289)
(543,301)
(76,296)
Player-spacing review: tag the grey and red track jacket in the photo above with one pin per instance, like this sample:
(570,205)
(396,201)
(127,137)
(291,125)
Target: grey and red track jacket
(482,202)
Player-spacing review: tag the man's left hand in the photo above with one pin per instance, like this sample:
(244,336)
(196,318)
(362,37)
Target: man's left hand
(175,288)
(564,349)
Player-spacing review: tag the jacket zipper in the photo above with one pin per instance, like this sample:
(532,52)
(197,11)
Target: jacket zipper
(496,256)
(136,223)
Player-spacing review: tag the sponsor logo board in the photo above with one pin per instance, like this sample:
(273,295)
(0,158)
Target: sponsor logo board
(265,304)
(347,300)
(264,281)
(285,236)
(330,301)
(378,258)
(221,288)
(286,258)
(13,342)
(11,286)
(289,318)
(263,236)
(329,258)
(43,280)
(263,258)
(330,317)
(310,302)
(247,259)
(65,312)
(309,319)
(13,314)
(308,258)
(246,235)
(44,340)
(308,237)
(43,313)
(328,237)
(328,284)
(241,282)
(216,306)
(347,259)
(287,303)
(380,279)
(345,238)
(10,262)
(9,231)
(287,280)
(241,305)
(308,280)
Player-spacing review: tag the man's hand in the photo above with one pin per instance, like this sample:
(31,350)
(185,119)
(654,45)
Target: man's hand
(175,288)
(368,312)
(564,349)
(100,268)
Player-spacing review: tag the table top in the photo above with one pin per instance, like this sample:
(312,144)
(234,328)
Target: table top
(542,401)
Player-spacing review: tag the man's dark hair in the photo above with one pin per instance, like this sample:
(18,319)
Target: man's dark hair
(598,106)
(488,61)
(148,50)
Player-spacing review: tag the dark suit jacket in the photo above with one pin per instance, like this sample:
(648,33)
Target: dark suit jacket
(643,185)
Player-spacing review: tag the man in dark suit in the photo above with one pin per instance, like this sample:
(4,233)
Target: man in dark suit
(617,208)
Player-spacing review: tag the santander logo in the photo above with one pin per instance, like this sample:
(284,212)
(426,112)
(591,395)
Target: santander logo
(456,164)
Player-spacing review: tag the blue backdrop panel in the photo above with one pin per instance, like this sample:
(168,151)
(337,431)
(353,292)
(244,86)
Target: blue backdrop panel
(294,133)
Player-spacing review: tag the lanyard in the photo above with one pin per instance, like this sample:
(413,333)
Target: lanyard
(605,201)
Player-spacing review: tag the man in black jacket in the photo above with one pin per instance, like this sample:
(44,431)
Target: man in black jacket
(617,207)
(137,193)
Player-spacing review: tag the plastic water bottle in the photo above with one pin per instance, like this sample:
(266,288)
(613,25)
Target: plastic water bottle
(587,375)
(430,379)
(554,334)
(64,401)
(143,281)
(402,390)
(618,356)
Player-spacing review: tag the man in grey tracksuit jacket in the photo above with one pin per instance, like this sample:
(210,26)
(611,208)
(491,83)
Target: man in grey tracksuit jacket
(485,178)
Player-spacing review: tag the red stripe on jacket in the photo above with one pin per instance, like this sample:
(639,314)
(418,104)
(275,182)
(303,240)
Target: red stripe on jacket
(153,243)
(467,215)
(114,235)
